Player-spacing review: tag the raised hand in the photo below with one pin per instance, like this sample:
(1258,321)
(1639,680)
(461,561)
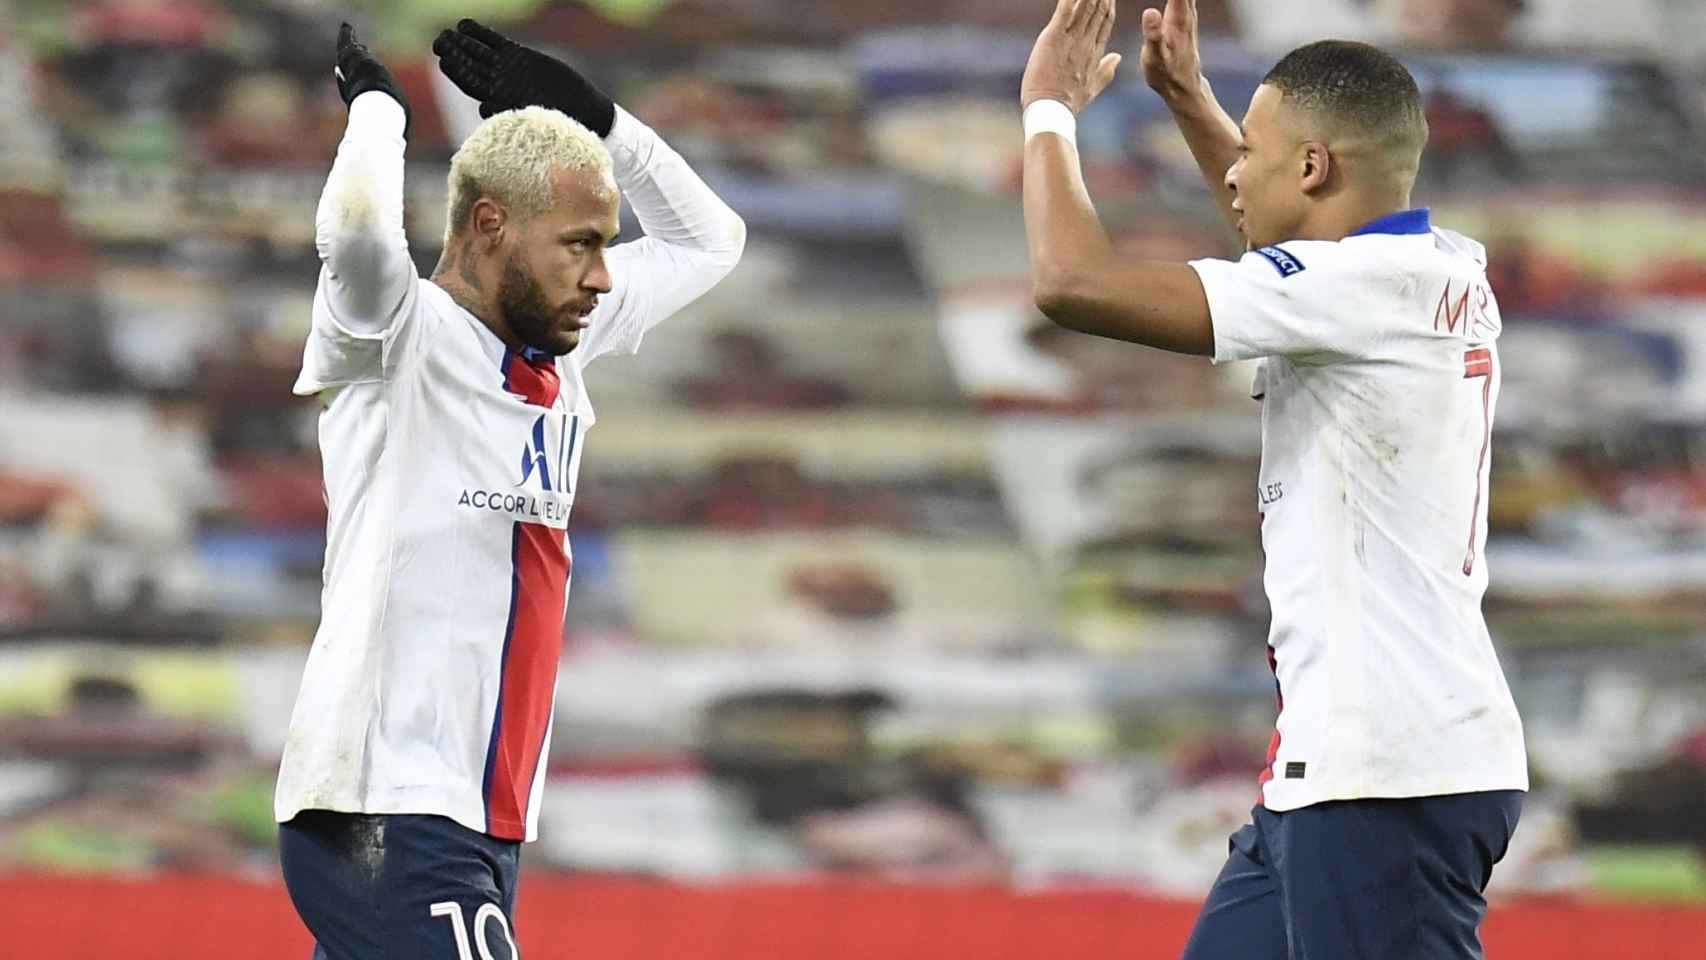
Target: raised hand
(505,75)
(357,71)
(1172,65)
(1070,62)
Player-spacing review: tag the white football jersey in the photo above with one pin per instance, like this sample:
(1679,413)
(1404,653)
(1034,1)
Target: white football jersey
(1378,380)
(450,467)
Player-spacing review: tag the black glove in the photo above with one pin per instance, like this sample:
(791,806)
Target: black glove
(357,72)
(504,75)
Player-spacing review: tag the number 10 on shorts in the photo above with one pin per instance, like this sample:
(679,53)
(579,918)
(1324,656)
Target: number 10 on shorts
(482,916)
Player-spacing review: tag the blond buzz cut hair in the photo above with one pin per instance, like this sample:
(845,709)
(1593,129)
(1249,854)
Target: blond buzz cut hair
(511,158)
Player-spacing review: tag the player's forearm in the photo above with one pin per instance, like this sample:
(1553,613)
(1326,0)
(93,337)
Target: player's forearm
(1065,235)
(358,226)
(1078,279)
(671,202)
(1213,137)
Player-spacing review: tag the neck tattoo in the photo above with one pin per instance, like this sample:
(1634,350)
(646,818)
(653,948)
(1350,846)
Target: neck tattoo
(464,301)
(465,269)
(464,285)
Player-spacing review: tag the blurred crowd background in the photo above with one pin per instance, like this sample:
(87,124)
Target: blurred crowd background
(876,571)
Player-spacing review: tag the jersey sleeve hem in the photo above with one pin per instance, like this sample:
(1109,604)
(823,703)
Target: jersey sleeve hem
(1215,275)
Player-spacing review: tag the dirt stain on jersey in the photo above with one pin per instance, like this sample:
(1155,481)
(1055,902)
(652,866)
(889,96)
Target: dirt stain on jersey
(1471,716)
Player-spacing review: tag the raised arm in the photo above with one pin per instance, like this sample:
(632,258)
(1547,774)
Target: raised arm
(366,271)
(677,210)
(673,205)
(1078,280)
(692,237)
(1172,66)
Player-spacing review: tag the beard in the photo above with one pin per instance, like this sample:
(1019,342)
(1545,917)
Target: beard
(529,315)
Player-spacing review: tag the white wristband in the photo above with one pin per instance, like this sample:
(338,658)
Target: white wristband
(1051,116)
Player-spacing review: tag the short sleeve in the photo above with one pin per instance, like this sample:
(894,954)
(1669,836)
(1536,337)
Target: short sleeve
(1298,299)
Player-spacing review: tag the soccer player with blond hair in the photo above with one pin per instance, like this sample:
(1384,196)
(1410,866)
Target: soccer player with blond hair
(1394,778)
(454,417)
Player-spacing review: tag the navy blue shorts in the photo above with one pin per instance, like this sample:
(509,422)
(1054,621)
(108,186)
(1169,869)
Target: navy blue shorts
(1358,880)
(400,885)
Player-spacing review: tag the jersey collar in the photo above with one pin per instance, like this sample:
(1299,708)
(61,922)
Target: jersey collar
(536,356)
(1404,221)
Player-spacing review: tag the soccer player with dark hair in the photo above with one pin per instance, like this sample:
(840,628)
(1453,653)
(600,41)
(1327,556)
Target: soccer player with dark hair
(454,419)
(1395,775)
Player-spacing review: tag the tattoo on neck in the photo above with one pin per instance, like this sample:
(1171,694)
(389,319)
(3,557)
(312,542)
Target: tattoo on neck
(464,284)
(465,268)
(463,300)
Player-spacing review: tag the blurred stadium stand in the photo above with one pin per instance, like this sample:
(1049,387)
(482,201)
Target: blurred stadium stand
(880,578)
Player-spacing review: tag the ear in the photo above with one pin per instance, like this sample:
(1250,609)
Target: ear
(490,220)
(1316,166)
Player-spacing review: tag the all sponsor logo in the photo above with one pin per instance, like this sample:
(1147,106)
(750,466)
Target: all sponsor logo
(541,494)
(535,459)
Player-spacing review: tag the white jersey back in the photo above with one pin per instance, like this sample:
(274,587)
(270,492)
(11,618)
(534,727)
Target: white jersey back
(1379,378)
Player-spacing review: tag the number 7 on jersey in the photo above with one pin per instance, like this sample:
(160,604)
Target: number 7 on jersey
(1478,364)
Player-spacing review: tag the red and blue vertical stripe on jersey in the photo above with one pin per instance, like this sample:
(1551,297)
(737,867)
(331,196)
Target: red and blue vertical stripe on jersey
(533,639)
(1273,744)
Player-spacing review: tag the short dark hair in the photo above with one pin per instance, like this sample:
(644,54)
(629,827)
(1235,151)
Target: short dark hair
(1358,88)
